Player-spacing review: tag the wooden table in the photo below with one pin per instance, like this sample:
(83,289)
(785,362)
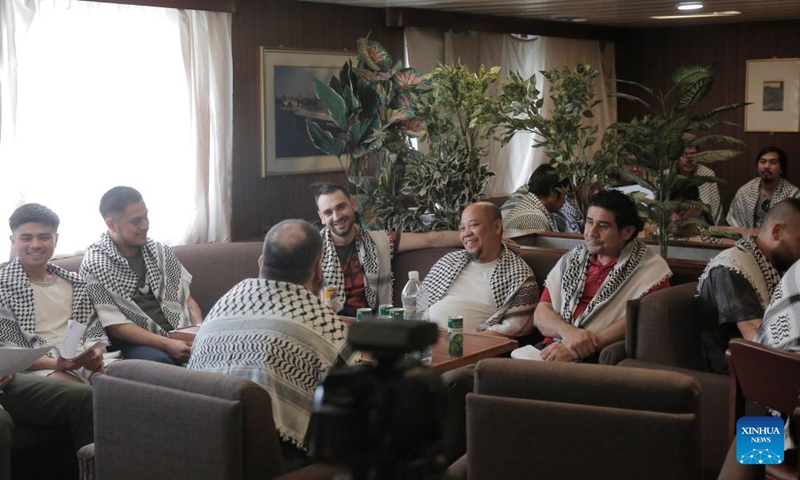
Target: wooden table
(476,347)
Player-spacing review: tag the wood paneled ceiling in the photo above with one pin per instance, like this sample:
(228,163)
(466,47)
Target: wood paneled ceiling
(615,13)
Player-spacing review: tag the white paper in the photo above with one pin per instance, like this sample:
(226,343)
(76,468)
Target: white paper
(528,352)
(72,340)
(13,359)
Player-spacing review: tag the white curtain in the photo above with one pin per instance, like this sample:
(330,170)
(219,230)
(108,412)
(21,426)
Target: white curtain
(95,95)
(515,162)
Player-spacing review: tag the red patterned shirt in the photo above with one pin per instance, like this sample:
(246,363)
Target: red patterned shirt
(354,281)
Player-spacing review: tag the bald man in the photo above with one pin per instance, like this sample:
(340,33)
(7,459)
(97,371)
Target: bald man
(275,331)
(737,285)
(491,287)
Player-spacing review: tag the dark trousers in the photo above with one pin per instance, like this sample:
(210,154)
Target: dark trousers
(459,383)
(131,351)
(44,402)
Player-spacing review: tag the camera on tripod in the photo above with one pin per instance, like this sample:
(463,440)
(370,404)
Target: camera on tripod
(383,419)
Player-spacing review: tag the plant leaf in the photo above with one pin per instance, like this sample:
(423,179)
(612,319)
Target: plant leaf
(724,108)
(407,78)
(373,54)
(333,102)
(691,93)
(324,141)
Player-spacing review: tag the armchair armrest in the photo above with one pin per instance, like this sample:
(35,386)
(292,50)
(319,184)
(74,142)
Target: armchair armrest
(86,462)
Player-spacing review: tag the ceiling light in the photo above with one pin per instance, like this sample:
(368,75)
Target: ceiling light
(564,18)
(689,6)
(698,15)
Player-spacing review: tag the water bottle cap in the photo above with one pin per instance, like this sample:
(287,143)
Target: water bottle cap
(413,275)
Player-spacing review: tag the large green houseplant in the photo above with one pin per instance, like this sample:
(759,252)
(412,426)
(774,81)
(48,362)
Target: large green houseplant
(562,132)
(369,104)
(654,142)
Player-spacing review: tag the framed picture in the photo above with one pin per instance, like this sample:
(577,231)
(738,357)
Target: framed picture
(773,89)
(288,100)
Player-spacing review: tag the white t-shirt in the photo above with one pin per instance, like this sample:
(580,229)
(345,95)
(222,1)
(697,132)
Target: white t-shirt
(52,308)
(470,296)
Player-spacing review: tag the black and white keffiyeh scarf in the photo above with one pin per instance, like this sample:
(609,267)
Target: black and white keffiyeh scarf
(280,336)
(709,193)
(112,284)
(781,326)
(17,308)
(528,214)
(636,272)
(743,207)
(746,259)
(375,256)
(513,284)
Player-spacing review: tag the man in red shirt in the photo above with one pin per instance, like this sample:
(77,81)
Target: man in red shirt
(358,263)
(582,309)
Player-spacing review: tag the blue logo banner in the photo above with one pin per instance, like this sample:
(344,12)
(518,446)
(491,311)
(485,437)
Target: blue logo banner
(759,440)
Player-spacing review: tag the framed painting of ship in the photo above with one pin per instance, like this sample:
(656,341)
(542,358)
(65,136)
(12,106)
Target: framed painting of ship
(287,102)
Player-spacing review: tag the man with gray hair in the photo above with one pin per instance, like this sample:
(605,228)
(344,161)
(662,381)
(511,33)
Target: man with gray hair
(275,331)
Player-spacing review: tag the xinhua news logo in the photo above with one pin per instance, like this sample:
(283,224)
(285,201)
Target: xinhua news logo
(759,440)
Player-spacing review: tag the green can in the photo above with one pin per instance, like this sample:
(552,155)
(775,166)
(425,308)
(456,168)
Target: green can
(363,314)
(385,310)
(397,313)
(455,336)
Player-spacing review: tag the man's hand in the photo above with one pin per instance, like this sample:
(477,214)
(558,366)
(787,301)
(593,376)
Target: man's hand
(5,381)
(93,361)
(557,352)
(581,343)
(178,349)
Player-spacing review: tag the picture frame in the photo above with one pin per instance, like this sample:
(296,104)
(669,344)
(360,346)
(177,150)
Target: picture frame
(287,101)
(773,91)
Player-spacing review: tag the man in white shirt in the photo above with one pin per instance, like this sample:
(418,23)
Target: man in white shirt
(487,284)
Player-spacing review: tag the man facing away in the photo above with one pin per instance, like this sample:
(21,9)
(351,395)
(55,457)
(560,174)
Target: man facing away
(582,309)
(532,210)
(754,199)
(737,285)
(781,326)
(275,331)
(138,286)
(38,298)
(491,287)
(358,263)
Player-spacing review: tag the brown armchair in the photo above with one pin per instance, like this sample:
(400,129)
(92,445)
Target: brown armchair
(575,421)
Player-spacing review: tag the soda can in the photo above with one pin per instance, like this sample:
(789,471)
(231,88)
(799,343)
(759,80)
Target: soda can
(455,336)
(329,297)
(363,314)
(397,313)
(385,310)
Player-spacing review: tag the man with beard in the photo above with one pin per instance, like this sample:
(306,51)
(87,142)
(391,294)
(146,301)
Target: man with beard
(138,286)
(582,309)
(275,331)
(737,285)
(491,287)
(358,263)
(760,194)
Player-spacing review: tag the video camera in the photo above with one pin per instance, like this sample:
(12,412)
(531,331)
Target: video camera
(383,419)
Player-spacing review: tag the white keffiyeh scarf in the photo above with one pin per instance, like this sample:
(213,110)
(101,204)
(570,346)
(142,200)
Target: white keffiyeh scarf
(375,256)
(112,284)
(747,260)
(636,272)
(781,326)
(280,336)
(528,213)
(17,308)
(743,207)
(513,284)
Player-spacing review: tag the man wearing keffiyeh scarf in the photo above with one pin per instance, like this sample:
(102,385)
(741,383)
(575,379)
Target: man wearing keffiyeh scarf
(275,331)
(583,307)
(757,196)
(359,263)
(37,298)
(736,285)
(531,210)
(138,286)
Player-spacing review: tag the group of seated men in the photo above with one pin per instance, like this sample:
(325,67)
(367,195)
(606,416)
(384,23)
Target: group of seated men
(540,205)
(275,331)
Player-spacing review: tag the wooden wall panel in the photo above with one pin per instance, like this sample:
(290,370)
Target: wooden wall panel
(650,56)
(260,202)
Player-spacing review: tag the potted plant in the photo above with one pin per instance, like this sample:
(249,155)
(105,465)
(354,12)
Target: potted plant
(655,142)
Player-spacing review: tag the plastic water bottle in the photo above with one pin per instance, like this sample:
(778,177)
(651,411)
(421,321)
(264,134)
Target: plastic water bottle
(415,306)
